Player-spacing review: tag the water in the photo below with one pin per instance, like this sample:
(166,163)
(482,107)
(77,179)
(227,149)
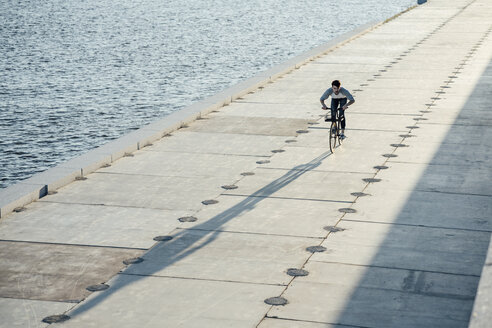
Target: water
(76,74)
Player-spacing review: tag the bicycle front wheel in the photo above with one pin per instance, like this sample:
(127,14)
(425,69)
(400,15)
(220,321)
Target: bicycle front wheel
(333,136)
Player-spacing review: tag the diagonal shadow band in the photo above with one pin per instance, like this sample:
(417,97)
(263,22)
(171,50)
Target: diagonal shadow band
(187,242)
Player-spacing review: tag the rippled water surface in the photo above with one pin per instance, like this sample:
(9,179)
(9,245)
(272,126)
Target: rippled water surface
(76,74)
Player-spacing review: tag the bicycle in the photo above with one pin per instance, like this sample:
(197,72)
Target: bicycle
(335,131)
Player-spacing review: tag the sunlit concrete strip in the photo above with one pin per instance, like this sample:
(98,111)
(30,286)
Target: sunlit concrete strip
(404,250)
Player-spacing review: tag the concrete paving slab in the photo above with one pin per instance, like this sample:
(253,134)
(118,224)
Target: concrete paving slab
(144,191)
(225,256)
(19,313)
(250,125)
(152,301)
(271,110)
(338,162)
(182,164)
(286,323)
(383,298)
(407,247)
(481,314)
(271,216)
(301,182)
(448,255)
(374,122)
(219,143)
(27,271)
(440,178)
(92,225)
(423,209)
(411,281)
(464,151)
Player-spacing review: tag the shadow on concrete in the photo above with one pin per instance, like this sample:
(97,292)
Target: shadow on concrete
(427,262)
(187,242)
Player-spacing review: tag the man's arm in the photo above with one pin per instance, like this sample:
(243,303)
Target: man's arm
(325,96)
(347,94)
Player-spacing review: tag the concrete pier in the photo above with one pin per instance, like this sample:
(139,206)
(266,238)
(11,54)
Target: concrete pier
(204,226)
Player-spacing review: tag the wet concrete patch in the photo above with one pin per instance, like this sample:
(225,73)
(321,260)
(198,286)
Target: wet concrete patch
(250,125)
(56,272)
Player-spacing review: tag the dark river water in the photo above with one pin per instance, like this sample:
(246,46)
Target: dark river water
(76,74)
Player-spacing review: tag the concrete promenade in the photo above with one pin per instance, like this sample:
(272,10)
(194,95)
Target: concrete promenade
(201,227)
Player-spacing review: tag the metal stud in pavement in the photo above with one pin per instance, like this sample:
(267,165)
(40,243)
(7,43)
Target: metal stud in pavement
(97,288)
(347,210)
(163,238)
(297,272)
(276,301)
(187,219)
(229,187)
(371,180)
(56,318)
(133,260)
(333,229)
(210,202)
(316,249)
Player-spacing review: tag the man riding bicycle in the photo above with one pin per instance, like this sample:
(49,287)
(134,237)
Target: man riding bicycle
(339,97)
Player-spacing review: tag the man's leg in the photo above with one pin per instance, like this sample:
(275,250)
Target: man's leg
(341,114)
(334,108)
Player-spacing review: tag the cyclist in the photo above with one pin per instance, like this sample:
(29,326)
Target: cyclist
(339,97)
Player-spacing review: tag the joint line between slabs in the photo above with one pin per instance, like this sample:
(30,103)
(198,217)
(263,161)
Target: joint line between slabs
(291,198)
(309,170)
(388,114)
(320,322)
(70,245)
(74,302)
(200,279)
(204,153)
(42,200)
(249,233)
(360,129)
(418,226)
(453,193)
(398,268)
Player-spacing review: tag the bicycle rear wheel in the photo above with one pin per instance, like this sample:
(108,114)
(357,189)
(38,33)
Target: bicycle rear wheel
(333,136)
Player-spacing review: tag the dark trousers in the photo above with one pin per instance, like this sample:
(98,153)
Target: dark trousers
(335,103)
